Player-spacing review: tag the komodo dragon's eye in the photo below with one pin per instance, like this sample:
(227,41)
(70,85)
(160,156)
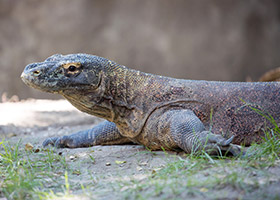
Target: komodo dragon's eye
(72,68)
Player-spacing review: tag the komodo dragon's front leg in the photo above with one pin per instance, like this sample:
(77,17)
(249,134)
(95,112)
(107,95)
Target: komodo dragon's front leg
(188,132)
(104,133)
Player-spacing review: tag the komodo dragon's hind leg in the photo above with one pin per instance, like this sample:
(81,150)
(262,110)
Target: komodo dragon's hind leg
(190,135)
(105,133)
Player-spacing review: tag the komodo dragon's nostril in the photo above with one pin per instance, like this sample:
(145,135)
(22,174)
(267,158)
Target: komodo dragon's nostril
(36,73)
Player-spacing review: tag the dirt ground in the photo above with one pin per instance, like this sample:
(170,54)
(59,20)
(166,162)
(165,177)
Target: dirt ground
(32,121)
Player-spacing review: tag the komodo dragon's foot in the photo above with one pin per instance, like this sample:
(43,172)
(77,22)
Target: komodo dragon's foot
(62,142)
(50,141)
(218,145)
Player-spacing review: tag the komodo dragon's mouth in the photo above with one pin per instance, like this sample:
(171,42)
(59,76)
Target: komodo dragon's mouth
(34,82)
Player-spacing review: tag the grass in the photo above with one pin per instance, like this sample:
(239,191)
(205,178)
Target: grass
(197,177)
(48,175)
(25,177)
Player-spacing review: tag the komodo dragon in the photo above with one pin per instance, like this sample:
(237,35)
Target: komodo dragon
(155,111)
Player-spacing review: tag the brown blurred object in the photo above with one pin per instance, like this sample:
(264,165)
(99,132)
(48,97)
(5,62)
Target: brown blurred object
(272,75)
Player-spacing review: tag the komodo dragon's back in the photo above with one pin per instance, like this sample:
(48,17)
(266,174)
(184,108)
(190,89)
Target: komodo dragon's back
(153,110)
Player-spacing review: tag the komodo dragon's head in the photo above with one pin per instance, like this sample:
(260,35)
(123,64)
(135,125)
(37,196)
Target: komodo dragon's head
(62,73)
(81,78)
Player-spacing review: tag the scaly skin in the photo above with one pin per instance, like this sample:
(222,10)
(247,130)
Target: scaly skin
(153,110)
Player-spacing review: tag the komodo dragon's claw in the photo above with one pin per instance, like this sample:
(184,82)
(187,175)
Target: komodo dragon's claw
(60,142)
(210,138)
(50,141)
(227,142)
(63,142)
(235,150)
(217,144)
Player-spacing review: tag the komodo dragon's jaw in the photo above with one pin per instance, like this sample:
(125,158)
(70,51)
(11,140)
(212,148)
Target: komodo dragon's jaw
(59,73)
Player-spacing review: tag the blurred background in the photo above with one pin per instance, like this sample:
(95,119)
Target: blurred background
(227,40)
